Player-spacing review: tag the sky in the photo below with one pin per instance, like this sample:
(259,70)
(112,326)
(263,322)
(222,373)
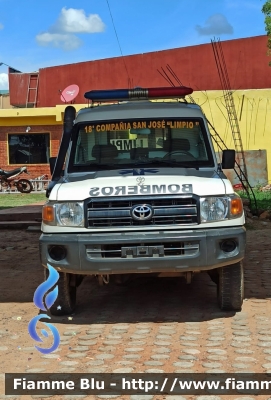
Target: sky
(38,34)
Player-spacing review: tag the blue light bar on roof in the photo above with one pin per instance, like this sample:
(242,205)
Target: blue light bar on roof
(138,93)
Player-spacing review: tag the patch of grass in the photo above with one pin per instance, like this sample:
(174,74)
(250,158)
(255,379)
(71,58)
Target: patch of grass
(9,200)
(263,199)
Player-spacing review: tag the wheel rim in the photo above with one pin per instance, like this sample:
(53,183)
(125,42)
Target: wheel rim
(4,184)
(24,186)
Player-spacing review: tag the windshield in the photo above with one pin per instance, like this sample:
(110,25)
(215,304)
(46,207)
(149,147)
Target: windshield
(117,144)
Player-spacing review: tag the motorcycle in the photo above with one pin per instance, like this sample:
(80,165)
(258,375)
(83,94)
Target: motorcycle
(7,179)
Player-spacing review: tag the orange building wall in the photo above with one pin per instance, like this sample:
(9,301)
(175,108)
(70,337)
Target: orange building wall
(246,61)
(18,85)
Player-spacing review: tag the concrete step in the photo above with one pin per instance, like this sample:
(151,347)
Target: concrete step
(22,213)
(19,224)
(20,217)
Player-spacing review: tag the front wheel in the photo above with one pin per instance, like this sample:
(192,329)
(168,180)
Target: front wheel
(66,299)
(4,184)
(231,287)
(24,186)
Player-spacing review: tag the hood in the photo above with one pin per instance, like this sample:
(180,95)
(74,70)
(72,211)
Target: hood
(150,181)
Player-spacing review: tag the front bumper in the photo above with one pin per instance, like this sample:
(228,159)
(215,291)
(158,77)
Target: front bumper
(143,252)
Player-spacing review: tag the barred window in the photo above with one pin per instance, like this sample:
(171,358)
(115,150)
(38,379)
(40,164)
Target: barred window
(29,149)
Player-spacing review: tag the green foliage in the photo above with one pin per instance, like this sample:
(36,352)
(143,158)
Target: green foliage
(263,199)
(258,187)
(266,10)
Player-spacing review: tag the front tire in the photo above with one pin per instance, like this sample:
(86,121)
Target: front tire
(214,275)
(24,186)
(4,185)
(231,287)
(66,299)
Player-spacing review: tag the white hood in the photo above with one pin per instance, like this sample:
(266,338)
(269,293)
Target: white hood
(140,185)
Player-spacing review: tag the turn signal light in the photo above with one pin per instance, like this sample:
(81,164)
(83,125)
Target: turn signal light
(48,214)
(236,206)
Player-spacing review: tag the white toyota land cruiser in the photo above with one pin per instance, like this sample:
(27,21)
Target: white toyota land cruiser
(136,188)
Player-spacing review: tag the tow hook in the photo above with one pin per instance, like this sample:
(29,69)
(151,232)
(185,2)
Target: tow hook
(103,280)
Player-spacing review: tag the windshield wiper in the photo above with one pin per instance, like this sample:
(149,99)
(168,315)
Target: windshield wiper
(90,164)
(154,162)
(158,162)
(172,163)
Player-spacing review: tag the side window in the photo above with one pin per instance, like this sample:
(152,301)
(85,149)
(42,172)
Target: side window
(202,149)
(190,140)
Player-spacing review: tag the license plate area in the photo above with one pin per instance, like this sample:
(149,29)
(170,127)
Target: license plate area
(134,250)
(142,251)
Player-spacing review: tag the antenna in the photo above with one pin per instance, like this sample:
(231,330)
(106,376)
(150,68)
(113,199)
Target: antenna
(174,74)
(69,94)
(165,77)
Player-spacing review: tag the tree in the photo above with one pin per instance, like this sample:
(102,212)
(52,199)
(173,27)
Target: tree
(266,10)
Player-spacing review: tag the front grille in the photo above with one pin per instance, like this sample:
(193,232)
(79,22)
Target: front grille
(167,210)
(136,250)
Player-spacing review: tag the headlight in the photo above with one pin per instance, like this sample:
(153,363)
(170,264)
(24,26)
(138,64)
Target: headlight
(219,208)
(70,214)
(64,214)
(213,209)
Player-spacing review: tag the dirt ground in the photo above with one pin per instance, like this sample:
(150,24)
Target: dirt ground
(150,325)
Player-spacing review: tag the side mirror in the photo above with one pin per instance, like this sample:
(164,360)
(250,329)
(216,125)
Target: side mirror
(228,159)
(52,162)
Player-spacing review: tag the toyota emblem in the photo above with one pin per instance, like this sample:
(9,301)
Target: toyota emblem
(142,212)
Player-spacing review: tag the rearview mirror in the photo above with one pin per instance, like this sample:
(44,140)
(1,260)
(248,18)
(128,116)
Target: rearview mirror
(139,131)
(228,159)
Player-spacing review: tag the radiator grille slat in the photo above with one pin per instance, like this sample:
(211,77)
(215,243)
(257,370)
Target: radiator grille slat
(168,210)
